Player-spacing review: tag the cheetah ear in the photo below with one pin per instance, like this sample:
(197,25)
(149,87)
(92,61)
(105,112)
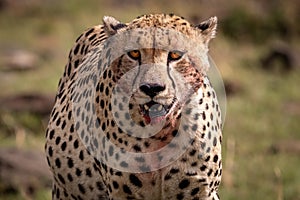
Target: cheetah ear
(208,29)
(111,25)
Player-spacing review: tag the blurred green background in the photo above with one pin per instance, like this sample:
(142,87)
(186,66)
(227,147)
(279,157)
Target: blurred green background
(256,51)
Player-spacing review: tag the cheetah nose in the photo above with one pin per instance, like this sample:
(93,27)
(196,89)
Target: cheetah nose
(152,89)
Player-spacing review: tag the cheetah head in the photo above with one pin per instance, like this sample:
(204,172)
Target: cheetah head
(159,62)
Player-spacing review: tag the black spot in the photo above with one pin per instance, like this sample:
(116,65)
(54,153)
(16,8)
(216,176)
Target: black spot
(78,172)
(179,196)
(209,172)
(195,191)
(140,159)
(202,180)
(194,127)
(111,150)
(114,135)
(55,116)
(118,174)
(109,74)
(127,116)
(188,111)
(88,172)
(57,193)
(203,144)
(216,173)
(115,185)
(92,37)
(126,189)
(146,144)
(66,194)
(203,116)
(81,188)
(77,126)
(97,99)
(183,160)
(63,124)
(209,135)
(89,32)
(137,148)
(107,91)
(167,177)
(104,74)
(70,177)
(57,141)
(184,183)
(174,133)
(216,158)
(208,150)
(76,144)
(70,163)
(72,128)
(135,180)
(103,127)
(96,143)
(61,179)
(185,127)
(124,164)
(50,151)
(203,167)
(193,152)
(215,141)
(200,101)
(81,156)
(117,157)
(120,106)
(106,114)
(51,134)
(58,122)
(113,123)
(99,186)
(63,146)
(207,159)
(120,140)
(102,103)
(120,130)
(57,163)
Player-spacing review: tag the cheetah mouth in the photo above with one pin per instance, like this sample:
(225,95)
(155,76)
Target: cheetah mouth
(154,112)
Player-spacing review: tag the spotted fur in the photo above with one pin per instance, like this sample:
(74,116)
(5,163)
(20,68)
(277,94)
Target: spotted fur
(80,171)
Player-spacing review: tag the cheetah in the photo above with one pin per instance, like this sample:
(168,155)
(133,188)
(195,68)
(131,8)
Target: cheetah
(135,115)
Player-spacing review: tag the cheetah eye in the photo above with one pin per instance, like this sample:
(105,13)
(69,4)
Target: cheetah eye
(134,54)
(174,55)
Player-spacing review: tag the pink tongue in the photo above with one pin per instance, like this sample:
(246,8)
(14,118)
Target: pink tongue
(156,114)
(156,120)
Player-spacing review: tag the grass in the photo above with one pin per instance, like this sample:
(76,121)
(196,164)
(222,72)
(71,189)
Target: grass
(257,116)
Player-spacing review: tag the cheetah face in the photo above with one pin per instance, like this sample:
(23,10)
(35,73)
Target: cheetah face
(159,82)
(158,68)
